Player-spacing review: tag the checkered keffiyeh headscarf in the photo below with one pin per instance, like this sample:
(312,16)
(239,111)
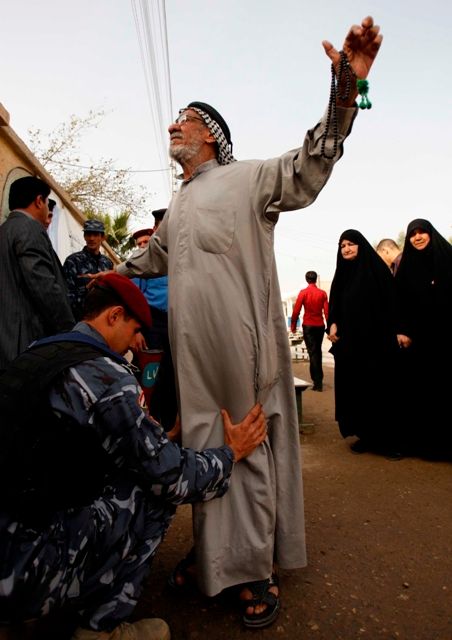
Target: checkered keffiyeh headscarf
(217,127)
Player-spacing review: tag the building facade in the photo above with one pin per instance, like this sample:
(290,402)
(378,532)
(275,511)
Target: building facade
(17,161)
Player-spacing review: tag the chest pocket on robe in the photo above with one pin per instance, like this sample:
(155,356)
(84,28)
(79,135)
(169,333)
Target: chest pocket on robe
(214,229)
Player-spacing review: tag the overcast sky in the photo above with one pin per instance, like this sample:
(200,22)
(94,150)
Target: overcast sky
(262,65)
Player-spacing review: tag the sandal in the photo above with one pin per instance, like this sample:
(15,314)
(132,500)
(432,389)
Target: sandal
(182,570)
(261,595)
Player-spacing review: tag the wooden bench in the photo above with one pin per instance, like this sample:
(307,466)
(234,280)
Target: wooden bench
(300,386)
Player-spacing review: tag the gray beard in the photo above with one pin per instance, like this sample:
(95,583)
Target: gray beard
(184,153)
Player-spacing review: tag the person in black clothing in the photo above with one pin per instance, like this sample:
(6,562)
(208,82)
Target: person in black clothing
(362,325)
(34,295)
(424,286)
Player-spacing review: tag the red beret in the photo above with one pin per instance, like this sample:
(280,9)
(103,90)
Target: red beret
(130,294)
(142,232)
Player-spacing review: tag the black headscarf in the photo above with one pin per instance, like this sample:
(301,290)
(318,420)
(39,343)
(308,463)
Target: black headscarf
(362,296)
(424,281)
(362,304)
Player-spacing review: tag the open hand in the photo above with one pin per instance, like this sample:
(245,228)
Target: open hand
(361,47)
(245,436)
(93,277)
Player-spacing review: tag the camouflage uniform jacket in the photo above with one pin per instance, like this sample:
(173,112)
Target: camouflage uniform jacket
(105,395)
(109,543)
(76,265)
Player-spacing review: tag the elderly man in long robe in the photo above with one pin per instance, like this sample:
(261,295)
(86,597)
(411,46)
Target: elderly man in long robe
(227,330)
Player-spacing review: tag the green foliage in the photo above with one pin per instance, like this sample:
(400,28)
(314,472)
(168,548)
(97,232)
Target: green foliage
(117,232)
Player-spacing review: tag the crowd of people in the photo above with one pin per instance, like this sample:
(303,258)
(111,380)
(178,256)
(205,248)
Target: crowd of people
(363,328)
(202,288)
(388,350)
(387,347)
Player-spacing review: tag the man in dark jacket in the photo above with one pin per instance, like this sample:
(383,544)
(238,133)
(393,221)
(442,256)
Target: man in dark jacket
(34,294)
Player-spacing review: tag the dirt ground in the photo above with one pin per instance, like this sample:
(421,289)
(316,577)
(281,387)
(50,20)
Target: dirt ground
(379,542)
(379,545)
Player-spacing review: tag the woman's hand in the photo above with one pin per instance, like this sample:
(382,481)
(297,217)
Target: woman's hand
(332,335)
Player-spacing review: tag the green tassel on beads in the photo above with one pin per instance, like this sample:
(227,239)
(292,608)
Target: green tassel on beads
(363,90)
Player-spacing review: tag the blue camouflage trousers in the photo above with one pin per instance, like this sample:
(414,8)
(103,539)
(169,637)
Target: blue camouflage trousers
(94,559)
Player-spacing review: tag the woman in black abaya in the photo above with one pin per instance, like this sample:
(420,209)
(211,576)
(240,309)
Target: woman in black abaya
(424,288)
(362,325)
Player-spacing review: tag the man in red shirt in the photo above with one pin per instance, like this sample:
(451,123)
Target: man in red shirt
(315,303)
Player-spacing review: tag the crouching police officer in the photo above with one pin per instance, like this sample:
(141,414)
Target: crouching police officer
(86,536)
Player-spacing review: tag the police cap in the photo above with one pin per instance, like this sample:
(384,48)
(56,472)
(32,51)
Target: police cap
(94,226)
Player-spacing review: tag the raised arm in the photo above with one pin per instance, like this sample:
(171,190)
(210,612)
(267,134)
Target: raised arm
(361,46)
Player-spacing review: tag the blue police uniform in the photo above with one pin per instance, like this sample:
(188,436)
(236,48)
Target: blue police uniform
(97,557)
(77,264)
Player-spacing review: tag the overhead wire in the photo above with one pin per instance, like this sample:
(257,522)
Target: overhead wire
(169,93)
(151,28)
(81,166)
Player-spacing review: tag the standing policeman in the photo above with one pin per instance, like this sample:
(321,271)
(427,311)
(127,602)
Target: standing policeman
(88,260)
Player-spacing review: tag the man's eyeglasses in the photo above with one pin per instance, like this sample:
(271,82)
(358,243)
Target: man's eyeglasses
(184,117)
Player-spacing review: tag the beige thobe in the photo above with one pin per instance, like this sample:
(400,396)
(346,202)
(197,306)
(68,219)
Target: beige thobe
(230,348)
